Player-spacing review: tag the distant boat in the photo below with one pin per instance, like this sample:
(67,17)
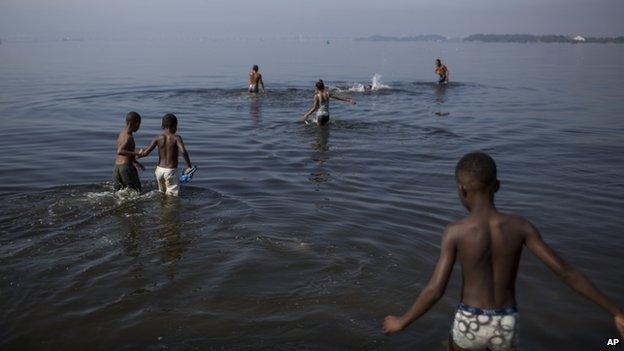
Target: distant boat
(579,39)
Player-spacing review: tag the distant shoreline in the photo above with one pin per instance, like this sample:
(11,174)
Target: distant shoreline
(499,38)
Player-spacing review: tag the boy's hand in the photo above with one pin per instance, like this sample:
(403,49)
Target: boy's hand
(619,323)
(392,324)
(140,153)
(139,166)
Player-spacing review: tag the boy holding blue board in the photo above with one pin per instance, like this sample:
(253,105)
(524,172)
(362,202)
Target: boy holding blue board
(170,145)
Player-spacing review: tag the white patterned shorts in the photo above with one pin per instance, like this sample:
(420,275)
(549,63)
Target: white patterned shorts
(485,329)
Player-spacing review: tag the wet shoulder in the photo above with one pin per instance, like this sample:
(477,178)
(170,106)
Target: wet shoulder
(457,229)
(512,224)
(160,139)
(121,137)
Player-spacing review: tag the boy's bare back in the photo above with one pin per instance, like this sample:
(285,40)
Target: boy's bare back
(168,150)
(255,77)
(489,246)
(170,145)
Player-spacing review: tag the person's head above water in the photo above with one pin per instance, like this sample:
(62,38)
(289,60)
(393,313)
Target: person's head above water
(320,86)
(255,68)
(170,122)
(438,62)
(476,177)
(133,121)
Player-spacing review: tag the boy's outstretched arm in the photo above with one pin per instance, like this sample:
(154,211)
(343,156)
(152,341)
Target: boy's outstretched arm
(182,149)
(149,149)
(571,276)
(432,292)
(262,83)
(342,99)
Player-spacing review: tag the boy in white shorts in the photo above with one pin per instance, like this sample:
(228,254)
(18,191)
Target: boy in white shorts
(170,145)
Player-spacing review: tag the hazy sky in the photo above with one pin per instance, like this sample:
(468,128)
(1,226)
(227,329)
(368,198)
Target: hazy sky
(324,18)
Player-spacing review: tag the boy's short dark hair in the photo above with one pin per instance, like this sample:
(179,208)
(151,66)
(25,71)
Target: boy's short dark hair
(255,68)
(479,166)
(133,117)
(169,121)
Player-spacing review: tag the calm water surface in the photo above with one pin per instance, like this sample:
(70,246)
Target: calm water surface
(291,237)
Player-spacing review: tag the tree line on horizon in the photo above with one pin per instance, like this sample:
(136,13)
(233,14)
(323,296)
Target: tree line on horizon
(499,38)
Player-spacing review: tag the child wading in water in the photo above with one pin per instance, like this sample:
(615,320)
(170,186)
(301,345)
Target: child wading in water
(255,80)
(169,146)
(125,173)
(488,245)
(321,104)
(442,72)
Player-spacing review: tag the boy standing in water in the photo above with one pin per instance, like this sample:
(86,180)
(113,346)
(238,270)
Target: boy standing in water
(255,79)
(169,146)
(441,71)
(320,105)
(488,245)
(125,173)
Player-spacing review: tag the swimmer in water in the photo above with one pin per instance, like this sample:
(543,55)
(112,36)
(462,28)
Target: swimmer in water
(441,71)
(321,104)
(255,79)
(488,245)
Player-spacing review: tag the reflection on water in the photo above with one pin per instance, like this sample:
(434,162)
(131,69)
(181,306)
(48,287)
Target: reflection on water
(440,92)
(320,154)
(320,142)
(255,107)
(172,245)
(130,223)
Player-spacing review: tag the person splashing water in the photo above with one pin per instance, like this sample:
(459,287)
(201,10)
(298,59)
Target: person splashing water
(321,104)
(374,86)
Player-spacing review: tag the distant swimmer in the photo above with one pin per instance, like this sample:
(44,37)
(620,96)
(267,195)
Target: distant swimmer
(488,245)
(441,71)
(255,79)
(125,173)
(321,104)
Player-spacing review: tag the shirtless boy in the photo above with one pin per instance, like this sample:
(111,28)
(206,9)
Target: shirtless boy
(488,245)
(255,79)
(125,173)
(169,146)
(442,72)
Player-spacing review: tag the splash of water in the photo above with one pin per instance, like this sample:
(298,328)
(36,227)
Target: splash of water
(376,83)
(374,86)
